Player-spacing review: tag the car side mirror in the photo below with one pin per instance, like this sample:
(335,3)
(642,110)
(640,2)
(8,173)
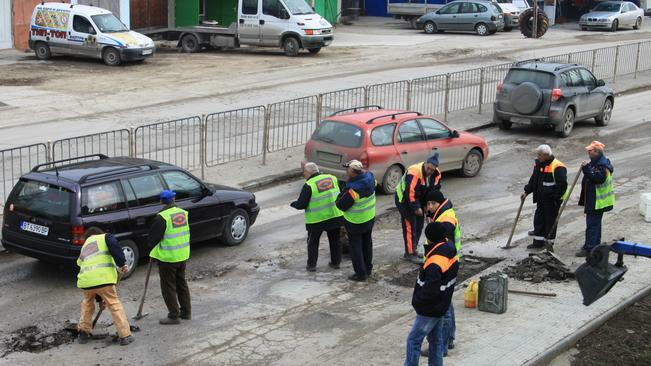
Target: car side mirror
(205,191)
(283,13)
(454,134)
(601,83)
(438,12)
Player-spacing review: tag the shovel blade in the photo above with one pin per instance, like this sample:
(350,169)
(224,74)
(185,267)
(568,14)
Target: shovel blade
(140,316)
(595,282)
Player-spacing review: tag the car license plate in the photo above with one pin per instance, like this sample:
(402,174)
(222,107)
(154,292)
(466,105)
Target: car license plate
(33,228)
(146,52)
(520,120)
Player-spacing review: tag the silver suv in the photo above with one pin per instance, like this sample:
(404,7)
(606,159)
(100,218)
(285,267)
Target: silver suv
(552,94)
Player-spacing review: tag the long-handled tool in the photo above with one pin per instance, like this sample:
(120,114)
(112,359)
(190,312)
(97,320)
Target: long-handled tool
(520,292)
(140,315)
(517,217)
(549,242)
(102,306)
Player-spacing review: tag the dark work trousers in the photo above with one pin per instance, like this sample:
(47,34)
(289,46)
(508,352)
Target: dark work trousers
(174,287)
(546,212)
(592,230)
(313,238)
(412,228)
(361,252)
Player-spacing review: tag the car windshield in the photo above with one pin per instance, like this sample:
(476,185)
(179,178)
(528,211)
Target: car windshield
(496,8)
(298,7)
(338,133)
(608,7)
(41,200)
(108,23)
(544,80)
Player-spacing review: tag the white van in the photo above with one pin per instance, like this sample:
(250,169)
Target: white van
(65,29)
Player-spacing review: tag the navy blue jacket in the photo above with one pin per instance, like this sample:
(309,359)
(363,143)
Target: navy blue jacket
(594,173)
(435,284)
(542,193)
(364,185)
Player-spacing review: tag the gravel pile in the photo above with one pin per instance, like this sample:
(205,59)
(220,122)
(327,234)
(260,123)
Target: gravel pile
(539,267)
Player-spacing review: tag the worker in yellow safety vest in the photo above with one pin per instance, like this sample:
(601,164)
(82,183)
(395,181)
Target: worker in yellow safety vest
(98,259)
(318,198)
(170,237)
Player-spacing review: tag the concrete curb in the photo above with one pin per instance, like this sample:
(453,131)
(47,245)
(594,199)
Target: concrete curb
(257,184)
(481,127)
(568,342)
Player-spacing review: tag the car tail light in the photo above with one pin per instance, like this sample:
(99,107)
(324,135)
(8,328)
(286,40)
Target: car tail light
(78,235)
(500,87)
(493,18)
(556,94)
(364,159)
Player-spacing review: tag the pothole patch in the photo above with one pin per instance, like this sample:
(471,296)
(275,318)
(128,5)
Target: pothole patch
(34,340)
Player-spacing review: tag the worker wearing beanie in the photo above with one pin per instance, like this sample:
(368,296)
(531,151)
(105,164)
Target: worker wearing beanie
(597,195)
(170,237)
(432,295)
(410,201)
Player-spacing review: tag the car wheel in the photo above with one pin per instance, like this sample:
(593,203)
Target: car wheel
(430,28)
(236,228)
(132,256)
(503,124)
(190,43)
(615,25)
(481,29)
(42,51)
(291,46)
(111,57)
(472,164)
(314,51)
(606,112)
(568,123)
(391,179)
(638,23)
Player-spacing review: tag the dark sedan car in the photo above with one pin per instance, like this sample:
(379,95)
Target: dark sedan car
(51,207)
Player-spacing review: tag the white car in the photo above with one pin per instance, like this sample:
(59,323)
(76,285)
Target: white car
(613,15)
(89,31)
(512,10)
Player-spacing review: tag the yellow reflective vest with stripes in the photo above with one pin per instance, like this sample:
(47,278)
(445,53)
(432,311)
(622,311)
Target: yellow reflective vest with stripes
(96,264)
(322,206)
(175,246)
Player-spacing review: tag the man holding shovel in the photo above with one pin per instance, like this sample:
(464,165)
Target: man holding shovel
(170,236)
(548,183)
(97,277)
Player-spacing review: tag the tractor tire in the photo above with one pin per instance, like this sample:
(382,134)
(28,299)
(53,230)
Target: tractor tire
(526,23)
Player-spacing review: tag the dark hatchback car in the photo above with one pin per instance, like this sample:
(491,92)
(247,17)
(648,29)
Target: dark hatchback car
(51,207)
(552,94)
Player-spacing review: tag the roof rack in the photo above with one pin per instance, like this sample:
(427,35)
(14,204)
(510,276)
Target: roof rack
(529,61)
(565,66)
(118,170)
(100,156)
(356,109)
(393,116)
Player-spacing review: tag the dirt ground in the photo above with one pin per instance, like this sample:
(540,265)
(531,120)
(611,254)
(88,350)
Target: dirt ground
(623,340)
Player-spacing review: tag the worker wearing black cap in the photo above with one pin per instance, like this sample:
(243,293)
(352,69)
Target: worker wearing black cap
(432,295)
(410,201)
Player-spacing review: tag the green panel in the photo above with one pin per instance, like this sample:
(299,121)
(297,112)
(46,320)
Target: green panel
(187,13)
(326,9)
(223,11)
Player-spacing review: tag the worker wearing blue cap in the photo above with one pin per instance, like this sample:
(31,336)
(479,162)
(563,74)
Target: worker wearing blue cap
(170,237)
(410,200)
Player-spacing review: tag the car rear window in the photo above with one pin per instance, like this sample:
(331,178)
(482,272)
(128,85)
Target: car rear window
(42,200)
(339,133)
(544,80)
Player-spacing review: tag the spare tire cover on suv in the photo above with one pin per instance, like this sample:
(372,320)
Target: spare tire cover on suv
(526,98)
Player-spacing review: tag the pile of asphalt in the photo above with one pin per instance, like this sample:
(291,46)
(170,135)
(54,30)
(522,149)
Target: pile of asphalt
(540,267)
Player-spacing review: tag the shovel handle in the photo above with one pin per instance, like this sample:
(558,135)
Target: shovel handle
(517,217)
(142,301)
(560,211)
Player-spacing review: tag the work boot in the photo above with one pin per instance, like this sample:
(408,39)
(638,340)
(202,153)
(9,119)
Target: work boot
(310,269)
(357,278)
(451,344)
(169,321)
(530,233)
(126,340)
(414,258)
(83,337)
(333,266)
(186,316)
(535,246)
(582,253)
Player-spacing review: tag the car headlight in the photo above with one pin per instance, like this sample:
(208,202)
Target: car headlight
(312,32)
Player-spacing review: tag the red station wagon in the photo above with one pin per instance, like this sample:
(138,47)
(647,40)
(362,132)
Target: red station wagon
(389,141)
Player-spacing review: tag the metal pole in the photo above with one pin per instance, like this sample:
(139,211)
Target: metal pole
(534,28)
(616,59)
(481,88)
(366,95)
(409,84)
(569,58)
(637,59)
(202,145)
(447,97)
(49,151)
(319,109)
(132,140)
(594,60)
(265,134)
